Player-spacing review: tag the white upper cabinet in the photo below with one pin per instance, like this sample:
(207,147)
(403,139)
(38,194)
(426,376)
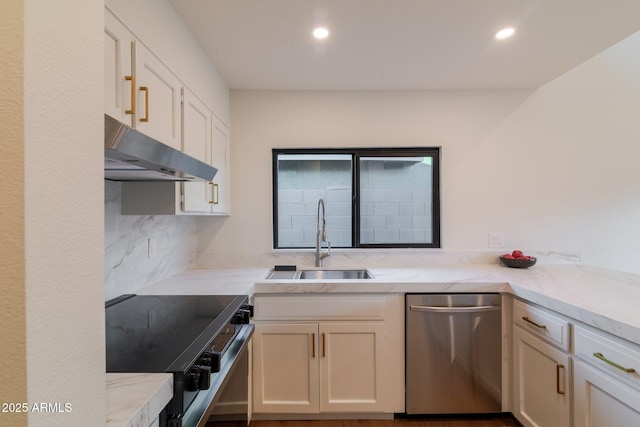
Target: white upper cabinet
(158,94)
(196,127)
(141,91)
(220,149)
(119,81)
(205,135)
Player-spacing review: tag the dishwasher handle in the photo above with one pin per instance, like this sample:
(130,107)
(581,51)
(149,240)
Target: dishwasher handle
(465,309)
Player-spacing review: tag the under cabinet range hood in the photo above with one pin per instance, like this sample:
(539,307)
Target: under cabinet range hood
(132,156)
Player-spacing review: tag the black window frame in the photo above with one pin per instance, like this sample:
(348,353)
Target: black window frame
(356,154)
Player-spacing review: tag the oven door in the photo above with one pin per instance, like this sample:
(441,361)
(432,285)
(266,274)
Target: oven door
(225,403)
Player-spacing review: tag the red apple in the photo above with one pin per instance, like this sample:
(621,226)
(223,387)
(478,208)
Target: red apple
(525,257)
(517,253)
(508,256)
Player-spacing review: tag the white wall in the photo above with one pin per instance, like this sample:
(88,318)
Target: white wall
(555,170)
(62,108)
(455,120)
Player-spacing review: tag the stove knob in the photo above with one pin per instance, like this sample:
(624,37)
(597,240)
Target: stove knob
(204,381)
(241,317)
(211,359)
(248,307)
(192,380)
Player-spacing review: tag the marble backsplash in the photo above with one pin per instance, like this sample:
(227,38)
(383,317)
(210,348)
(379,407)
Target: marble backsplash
(369,258)
(128,262)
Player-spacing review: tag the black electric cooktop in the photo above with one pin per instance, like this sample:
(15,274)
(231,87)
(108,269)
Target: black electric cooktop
(164,333)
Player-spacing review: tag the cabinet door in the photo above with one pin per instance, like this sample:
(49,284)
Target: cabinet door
(351,367)
(158,112)
(196,141)
(285,368)
(603,401)
(119,84)
(220,159)
(196,127)
(542,393)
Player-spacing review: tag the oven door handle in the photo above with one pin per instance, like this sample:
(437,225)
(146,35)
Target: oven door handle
(202,406)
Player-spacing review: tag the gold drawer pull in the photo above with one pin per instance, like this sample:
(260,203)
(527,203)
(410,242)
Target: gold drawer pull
(213,196)
(558,390)
(132,79)
(146,103)
(324,346)
(537,325)
(614,364)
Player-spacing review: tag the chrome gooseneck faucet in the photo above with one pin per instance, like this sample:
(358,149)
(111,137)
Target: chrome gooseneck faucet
(321,235)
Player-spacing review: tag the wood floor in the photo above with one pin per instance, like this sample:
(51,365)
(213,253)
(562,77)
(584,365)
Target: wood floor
(462,422)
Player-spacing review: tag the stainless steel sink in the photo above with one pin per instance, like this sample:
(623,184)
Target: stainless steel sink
(319,275)
(335,274)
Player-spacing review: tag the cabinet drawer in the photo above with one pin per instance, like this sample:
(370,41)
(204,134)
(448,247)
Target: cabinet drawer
(542,323)
(611,354)
(320,307)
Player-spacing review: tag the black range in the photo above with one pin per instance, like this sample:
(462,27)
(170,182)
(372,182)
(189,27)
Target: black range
(199,338)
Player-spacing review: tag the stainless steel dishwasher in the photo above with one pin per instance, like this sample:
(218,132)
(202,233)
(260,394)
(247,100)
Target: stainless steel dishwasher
(453,354)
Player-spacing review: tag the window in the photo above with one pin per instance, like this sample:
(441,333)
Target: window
(377,197)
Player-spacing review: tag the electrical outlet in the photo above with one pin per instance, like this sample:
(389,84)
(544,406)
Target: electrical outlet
(496,240)
(151,248)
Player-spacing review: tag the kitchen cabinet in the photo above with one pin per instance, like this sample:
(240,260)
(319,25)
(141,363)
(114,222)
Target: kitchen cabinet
(606,380)
(285,368)
(119,81)
(207,138)
(221,151)
(603,401)
(325,367)
(541,370)
(339,362)
(158,93)
(140,90)
(542,394)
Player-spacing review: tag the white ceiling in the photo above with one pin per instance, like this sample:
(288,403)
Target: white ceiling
(403,44)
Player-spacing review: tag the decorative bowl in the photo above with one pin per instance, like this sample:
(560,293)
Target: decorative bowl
(517,263)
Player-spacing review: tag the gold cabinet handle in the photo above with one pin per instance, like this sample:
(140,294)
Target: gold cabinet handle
(216,200)
(558,390)
(323,346)
(537,325)
(213,197)
(600,356)
(313,345)
(132,79)
(146,103)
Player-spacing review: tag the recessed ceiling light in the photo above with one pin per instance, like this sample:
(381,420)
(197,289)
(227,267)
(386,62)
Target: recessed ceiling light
(320,33)
(505,33)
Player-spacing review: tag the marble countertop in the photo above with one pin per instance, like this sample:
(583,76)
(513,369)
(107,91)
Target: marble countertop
(135,400)
(606,299)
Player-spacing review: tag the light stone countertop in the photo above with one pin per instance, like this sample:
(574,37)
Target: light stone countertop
(606,299)
(135,400)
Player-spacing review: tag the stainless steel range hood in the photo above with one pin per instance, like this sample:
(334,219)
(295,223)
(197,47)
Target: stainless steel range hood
(132,156)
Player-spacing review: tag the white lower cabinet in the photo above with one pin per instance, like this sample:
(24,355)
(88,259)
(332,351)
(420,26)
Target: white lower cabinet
(606,380)
(325,367)
(542,386)
(328,354)
(285,368)
(601,400)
